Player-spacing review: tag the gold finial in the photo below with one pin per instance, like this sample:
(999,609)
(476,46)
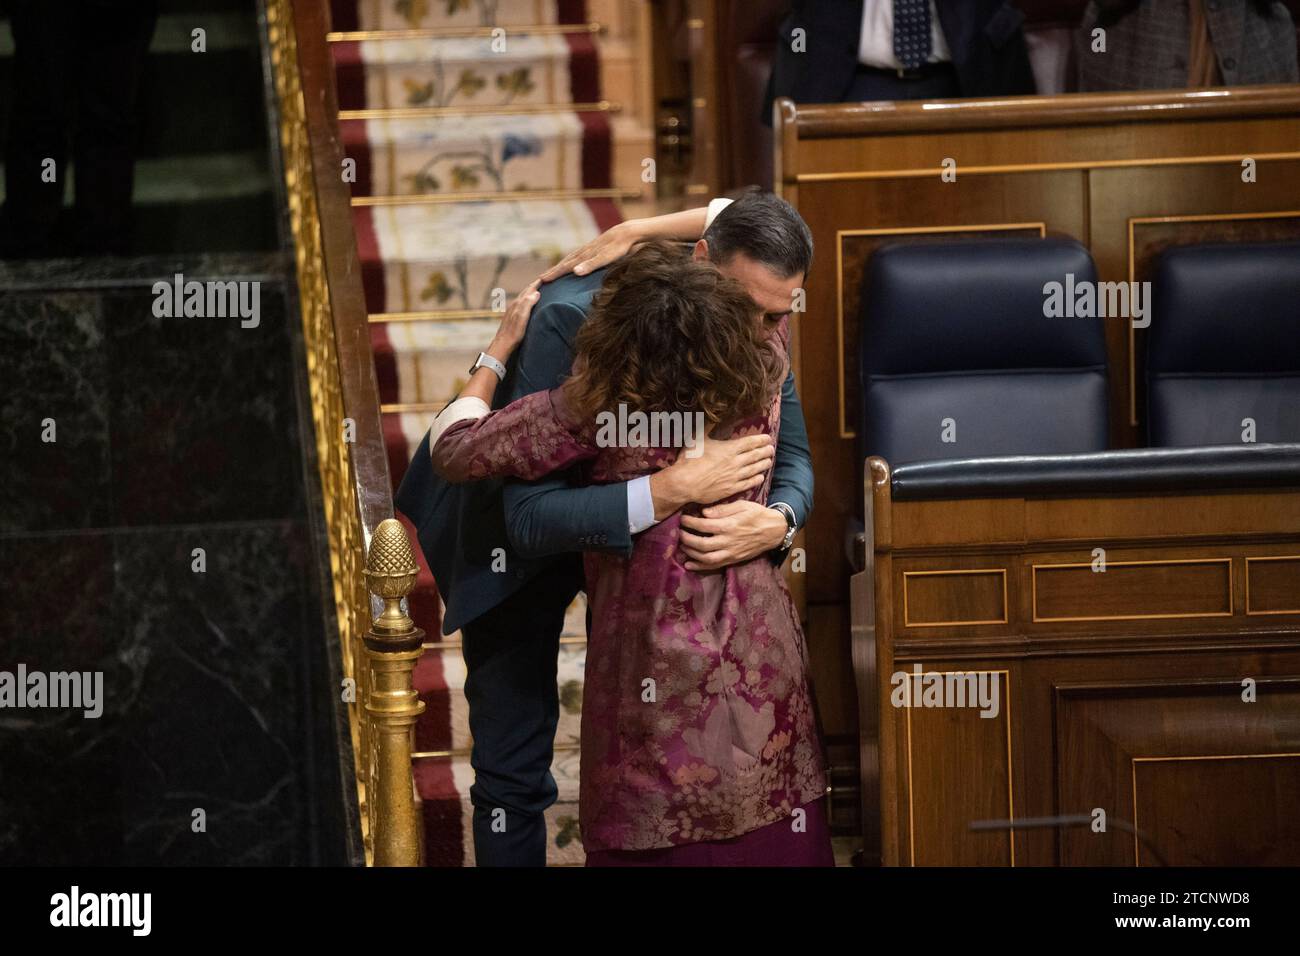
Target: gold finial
(391,571)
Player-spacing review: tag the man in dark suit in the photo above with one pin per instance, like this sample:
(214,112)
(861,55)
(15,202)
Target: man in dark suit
(861,50)
(507,555)
(1170,44)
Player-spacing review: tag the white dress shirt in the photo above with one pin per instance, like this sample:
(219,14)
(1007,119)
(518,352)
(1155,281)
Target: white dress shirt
(876,42)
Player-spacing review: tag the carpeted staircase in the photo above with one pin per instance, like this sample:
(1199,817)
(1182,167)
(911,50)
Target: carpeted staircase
(480,160)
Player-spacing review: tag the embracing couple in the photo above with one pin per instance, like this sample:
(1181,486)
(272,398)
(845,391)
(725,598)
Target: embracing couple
(700,744)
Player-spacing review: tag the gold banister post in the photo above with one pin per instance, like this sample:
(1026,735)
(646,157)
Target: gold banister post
(392,649)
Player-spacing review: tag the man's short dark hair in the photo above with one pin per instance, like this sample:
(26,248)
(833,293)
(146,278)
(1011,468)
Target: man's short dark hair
(765,228)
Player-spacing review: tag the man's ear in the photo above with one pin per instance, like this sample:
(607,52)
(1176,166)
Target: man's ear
(701,251)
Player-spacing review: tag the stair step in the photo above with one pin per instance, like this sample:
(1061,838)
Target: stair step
(425,14)
(444,785)
(443,782)
(440,682)
(400,156)
(453,255)
(532,69)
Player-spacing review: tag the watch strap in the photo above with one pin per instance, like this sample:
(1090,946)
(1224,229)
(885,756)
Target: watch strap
(486,361)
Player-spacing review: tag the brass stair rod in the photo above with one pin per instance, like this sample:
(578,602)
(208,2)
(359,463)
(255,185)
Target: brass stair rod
(393,646)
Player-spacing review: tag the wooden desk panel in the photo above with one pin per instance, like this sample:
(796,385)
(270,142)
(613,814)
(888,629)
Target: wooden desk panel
(1122,689)
(1125,174)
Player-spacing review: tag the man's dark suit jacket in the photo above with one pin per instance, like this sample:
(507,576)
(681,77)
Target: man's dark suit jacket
(984,36)
(536,524)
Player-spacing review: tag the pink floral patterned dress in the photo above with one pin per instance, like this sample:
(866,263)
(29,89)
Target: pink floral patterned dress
(697,722)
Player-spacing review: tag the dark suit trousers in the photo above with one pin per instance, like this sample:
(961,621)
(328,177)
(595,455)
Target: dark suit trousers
(514,707)
(870,85)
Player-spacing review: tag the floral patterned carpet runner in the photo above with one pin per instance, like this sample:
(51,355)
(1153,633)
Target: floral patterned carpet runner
(443,123)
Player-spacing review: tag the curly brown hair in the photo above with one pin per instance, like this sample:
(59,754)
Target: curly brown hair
(669,334)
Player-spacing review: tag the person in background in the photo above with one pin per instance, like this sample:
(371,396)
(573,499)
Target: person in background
(77,71)
(1174,44)
(862,50)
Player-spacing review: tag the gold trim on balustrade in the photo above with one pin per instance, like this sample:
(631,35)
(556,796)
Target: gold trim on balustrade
(1271,557)
(1011,803)
(1033,587)
(1002,571)
(451,33)
(342,521)
(514,109)
(1134,761)
(840,234)
(515,195)
(1132,272)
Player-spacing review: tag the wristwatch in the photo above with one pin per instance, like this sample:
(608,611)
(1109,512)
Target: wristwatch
(486,361)
(791,524)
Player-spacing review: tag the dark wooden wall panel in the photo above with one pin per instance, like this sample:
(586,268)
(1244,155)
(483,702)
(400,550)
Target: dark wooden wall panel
(1207,778)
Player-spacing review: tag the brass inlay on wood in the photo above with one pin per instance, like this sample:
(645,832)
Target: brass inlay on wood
(840,234)
(1134,761)
(1011,803)
(908,622)
(1227,562)
(1280,557)
(1065,166)
(1132,271)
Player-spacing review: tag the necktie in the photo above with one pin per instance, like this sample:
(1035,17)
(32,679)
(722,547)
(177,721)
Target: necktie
(912,32)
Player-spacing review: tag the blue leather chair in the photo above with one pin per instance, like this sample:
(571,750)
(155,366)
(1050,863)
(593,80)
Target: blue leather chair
(956,331)
(1224,345)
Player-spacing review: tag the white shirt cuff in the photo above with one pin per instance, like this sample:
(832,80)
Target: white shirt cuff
(461,408)
(640,505)
(715,206)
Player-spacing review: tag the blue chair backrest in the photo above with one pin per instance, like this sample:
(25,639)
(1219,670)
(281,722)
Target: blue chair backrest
(956,343)
(1224,345)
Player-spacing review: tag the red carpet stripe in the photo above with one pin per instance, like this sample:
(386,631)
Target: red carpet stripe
(584,68)
(343,15)
(372,267)
(597,150)
(349,74)
(605,213)
(444,844)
